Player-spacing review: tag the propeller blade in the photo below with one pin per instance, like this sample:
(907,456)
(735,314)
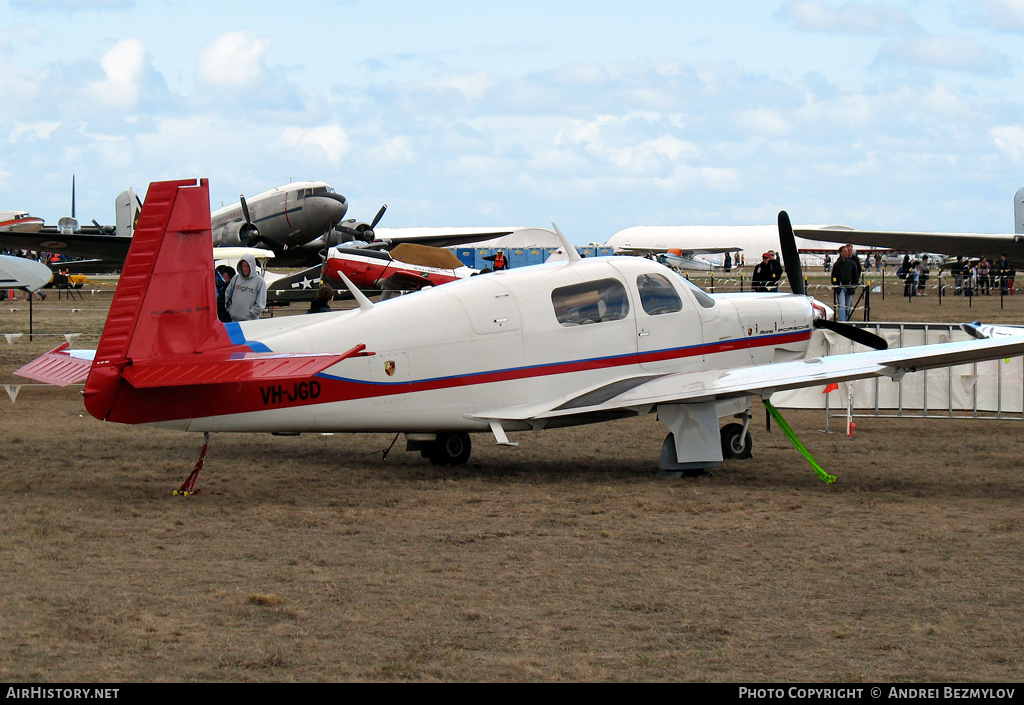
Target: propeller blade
(380,214)
(245,209)
(790,254)
(857,335)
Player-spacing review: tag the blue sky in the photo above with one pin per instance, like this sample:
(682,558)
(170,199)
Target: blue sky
(597,115)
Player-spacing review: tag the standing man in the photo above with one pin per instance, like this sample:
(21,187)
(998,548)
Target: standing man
(247,292)
(222,276)
(776,271)
(1006,273)
(845,277)
(764,274)
(499,260)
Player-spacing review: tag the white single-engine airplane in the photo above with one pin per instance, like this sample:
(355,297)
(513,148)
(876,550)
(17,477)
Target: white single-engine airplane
(556,344)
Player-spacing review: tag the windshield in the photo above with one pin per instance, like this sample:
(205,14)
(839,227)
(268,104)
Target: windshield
(702,296)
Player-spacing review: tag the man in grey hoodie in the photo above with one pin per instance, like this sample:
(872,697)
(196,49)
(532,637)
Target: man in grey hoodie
(247,292)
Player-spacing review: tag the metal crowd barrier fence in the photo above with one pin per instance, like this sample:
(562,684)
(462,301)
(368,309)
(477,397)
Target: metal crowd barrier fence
(992,389)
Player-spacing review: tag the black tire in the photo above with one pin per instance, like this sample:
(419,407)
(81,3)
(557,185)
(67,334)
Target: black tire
(450,449)
(731,445)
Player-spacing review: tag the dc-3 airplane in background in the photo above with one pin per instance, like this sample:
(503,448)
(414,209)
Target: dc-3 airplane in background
(289,220)
(556,344)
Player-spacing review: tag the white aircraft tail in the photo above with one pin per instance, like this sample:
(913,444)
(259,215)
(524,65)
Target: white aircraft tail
(127,208)
(1018,211)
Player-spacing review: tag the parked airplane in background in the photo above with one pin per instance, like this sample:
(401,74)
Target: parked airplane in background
(19,222)
(962,244)
(22,273)
(103,246)
(752,240)
(283,220)
(558,344)
(406,267)
(690,259)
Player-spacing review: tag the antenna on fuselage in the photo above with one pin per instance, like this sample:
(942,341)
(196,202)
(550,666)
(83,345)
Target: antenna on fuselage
(570,251)
(364,303)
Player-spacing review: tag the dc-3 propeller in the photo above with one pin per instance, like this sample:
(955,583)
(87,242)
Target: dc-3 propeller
(791,259)
(361,231)
(248,234)
(353,230)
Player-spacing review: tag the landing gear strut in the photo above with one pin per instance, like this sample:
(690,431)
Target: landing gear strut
(736,440)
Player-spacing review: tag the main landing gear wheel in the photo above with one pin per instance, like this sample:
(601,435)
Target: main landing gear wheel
(449,449)
(734,443)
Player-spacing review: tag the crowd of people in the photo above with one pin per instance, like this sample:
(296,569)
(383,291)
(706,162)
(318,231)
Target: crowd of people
(971,277)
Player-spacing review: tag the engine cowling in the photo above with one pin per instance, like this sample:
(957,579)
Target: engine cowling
(237,233)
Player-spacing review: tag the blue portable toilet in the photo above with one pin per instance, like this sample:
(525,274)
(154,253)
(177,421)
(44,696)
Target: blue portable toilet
(482,252)
(516,257)
(535,255)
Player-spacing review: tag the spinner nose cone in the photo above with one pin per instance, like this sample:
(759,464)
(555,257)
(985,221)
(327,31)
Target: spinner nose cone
(823,311)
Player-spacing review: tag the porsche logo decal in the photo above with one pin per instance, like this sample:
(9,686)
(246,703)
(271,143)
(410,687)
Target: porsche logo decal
(389,367)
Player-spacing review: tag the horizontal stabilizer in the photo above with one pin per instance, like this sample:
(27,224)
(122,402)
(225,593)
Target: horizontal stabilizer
(223,368)
(58,367)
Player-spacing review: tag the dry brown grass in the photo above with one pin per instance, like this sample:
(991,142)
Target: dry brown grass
(312,559)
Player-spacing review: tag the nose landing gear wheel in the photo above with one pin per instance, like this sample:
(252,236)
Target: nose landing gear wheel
(734,443)
(449,449)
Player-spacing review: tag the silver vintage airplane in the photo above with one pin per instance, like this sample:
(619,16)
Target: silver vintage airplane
(285,220)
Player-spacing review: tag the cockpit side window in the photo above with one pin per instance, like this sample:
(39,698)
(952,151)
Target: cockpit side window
(590,302)
(657,295)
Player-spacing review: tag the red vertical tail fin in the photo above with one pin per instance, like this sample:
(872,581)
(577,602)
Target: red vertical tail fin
(165,303)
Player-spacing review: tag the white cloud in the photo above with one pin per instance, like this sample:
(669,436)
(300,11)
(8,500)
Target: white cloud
(233,60)
(72,5)
(331,140)
(764,121)
(955,52)
(637,143)
(471,85)
(1004,14)
(851,18)
(124,66)
(1010,139)
(32,132)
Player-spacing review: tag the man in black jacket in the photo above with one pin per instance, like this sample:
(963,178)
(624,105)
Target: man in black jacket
(845,278)
(764,277)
